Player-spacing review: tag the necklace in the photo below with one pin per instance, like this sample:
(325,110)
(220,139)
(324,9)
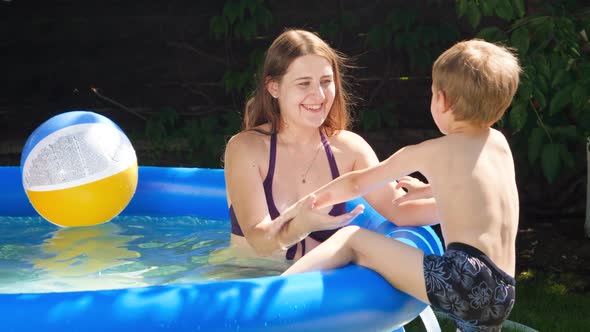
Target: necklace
(317,151)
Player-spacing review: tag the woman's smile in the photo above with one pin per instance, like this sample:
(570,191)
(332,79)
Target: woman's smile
(314,108)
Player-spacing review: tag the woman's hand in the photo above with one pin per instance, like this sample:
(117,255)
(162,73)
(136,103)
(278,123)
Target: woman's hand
(303,218)
(312,219)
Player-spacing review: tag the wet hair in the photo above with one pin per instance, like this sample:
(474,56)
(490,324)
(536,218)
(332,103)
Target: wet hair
(262,108)
(479,80)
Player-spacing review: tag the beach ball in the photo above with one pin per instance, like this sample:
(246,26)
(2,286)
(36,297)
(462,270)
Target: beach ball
(79,169)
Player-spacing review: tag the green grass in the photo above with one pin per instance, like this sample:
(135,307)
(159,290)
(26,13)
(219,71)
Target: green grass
(544,302)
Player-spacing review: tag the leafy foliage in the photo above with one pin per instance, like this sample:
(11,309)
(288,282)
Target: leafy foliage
(241,18)
(548,119)
(417,38)
(200,140)
(549,115)
(203,139)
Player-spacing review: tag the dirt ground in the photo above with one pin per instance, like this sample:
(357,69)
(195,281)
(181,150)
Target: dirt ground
(560,247)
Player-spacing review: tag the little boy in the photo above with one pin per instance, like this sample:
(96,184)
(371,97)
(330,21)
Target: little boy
(471,173)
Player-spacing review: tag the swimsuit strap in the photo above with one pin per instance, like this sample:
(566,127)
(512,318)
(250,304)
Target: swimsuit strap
(267,184)
(272,209)
(330,155)
(337,209)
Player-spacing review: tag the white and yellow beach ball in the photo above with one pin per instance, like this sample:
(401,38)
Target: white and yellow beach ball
(79,169)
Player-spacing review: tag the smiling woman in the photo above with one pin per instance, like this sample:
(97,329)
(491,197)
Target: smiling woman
(299,109)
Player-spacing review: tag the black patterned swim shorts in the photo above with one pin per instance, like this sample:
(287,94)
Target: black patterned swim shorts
(465,284)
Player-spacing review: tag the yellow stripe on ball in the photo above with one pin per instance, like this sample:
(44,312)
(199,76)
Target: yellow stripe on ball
(88,204)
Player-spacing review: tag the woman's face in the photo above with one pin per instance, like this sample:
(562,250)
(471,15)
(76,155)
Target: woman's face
(306,91)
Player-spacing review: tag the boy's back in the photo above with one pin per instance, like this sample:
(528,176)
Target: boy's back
(472,178)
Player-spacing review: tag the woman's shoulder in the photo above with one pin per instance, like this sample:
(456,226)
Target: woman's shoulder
(348,140)
(251,141)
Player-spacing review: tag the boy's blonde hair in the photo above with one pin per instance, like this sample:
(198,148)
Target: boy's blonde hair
(479,80)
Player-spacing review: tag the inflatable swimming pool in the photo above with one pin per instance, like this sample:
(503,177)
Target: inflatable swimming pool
(347,299)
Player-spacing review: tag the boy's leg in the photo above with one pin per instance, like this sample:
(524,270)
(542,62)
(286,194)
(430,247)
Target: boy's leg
(398,263)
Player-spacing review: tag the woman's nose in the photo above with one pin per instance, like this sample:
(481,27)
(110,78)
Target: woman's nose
(318,91)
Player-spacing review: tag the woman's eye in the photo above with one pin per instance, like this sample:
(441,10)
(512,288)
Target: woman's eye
(326,82)
(305,84)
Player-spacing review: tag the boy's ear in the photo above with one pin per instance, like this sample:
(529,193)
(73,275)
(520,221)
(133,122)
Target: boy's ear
(443,99)
(272,87)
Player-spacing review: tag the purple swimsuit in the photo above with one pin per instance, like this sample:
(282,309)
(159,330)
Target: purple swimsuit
(336,210)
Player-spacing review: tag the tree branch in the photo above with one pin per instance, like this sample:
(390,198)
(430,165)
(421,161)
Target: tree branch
(188,47)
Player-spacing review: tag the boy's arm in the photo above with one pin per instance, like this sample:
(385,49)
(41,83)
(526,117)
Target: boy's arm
(358,183)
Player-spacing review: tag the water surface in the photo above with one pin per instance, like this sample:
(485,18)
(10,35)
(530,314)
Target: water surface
(37,256)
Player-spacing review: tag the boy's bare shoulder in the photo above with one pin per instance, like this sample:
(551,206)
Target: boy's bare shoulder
(434,145)
(499,136)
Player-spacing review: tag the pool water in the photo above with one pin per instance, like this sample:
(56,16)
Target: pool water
(37,256)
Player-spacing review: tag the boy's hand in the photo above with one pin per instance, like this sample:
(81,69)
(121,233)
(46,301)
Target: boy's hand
(416,189)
